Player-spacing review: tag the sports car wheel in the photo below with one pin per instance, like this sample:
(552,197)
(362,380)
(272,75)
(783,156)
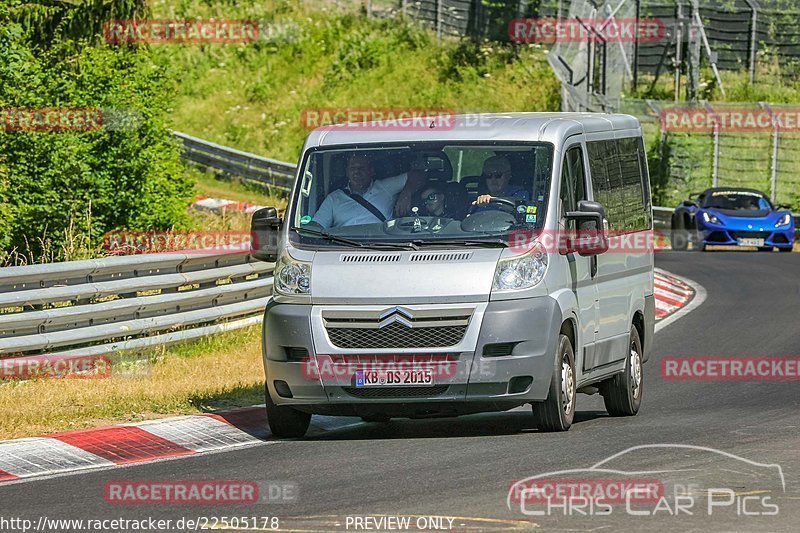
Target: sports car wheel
(679,237)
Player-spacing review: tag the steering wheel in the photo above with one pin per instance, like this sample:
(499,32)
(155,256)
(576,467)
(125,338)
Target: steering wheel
(502,202)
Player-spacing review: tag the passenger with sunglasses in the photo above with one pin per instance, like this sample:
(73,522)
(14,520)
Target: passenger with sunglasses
(497,177)
(433,198)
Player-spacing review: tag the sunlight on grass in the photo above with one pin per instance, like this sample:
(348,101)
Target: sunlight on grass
(251,96)
(220,372)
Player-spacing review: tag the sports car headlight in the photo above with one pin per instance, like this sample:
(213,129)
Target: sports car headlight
(292,277)
(784,220)
(521,272)
(711,219)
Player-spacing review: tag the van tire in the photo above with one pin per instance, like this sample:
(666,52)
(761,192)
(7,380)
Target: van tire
(622,393)
(285,422)
(557,411)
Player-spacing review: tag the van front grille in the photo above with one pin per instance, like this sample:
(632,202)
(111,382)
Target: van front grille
(397,335)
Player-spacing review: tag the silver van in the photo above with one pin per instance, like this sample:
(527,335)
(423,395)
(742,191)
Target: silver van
(478,264)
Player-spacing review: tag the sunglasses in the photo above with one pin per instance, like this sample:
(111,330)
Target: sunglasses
(432,197)
(496,175)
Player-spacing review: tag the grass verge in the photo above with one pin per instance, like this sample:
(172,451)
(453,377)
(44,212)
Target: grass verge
(218,372)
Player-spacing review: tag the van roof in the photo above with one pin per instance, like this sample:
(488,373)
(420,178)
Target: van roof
(546,127)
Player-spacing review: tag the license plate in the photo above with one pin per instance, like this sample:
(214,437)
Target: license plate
(751,242)
(393,378)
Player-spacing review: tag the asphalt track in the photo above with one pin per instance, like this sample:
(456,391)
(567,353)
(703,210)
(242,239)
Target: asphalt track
(462,468)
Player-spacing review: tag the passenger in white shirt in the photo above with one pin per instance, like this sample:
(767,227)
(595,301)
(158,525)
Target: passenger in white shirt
(387,195)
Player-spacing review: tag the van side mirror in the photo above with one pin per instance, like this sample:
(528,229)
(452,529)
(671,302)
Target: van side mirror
(688,203)
(589,237)
(264,232)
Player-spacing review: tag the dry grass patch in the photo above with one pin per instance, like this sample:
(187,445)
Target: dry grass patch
(219,372)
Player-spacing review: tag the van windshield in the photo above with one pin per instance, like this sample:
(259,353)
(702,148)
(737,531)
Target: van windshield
(421,193)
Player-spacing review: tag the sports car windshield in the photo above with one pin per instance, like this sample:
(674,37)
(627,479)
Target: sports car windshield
(421,193)
(737,201)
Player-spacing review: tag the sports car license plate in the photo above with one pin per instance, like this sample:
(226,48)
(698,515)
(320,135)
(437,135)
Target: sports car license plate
(751,242)
(393,378)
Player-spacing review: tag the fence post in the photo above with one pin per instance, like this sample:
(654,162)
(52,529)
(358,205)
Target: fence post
(753,42)
(715,167)
(635,80)
(439,19)
(677,62)
(774,163)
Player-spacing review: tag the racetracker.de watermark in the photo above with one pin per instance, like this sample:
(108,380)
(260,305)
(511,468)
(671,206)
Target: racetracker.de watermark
(565,241)
(565,30)
(154,31)
(609,490)
(692,119)
(728,368)
(379,118)
(199,492)
(62,119)
(55,367)
(184,242)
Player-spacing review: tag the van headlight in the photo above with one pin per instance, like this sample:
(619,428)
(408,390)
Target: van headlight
(291,276)
(521,272)
(784,220)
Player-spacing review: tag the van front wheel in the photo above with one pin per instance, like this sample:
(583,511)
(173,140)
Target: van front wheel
(558,410)
(285,422)
(622,394)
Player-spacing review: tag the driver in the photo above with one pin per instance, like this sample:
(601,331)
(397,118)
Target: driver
(497,176)
(365,200)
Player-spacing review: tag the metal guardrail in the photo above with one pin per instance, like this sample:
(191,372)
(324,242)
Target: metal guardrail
(122,303)
(265,171)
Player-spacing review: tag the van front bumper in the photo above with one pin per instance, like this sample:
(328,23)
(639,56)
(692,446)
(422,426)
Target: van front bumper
(469,380)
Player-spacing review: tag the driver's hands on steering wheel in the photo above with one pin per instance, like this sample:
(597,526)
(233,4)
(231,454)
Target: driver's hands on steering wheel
(483,199)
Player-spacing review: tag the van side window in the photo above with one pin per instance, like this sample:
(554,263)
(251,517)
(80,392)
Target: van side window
(632,194)
(573,181)
(606,184)
(620,182)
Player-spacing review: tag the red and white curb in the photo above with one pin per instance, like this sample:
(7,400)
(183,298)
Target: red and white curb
(675,296)
(128,444)
(219,205)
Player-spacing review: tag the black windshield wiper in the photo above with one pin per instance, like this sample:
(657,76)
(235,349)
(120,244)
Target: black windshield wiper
(487,243)
(356,244)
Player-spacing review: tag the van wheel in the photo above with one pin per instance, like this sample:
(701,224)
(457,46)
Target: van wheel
(558,410)
(285,422)
(622,394)
(679,240)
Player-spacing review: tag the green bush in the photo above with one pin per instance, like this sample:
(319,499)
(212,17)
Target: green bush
(120,176)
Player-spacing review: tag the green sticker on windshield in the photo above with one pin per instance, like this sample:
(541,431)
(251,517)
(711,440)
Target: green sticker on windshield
(305,219)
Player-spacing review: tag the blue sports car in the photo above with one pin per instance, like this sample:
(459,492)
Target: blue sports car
(732,216)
